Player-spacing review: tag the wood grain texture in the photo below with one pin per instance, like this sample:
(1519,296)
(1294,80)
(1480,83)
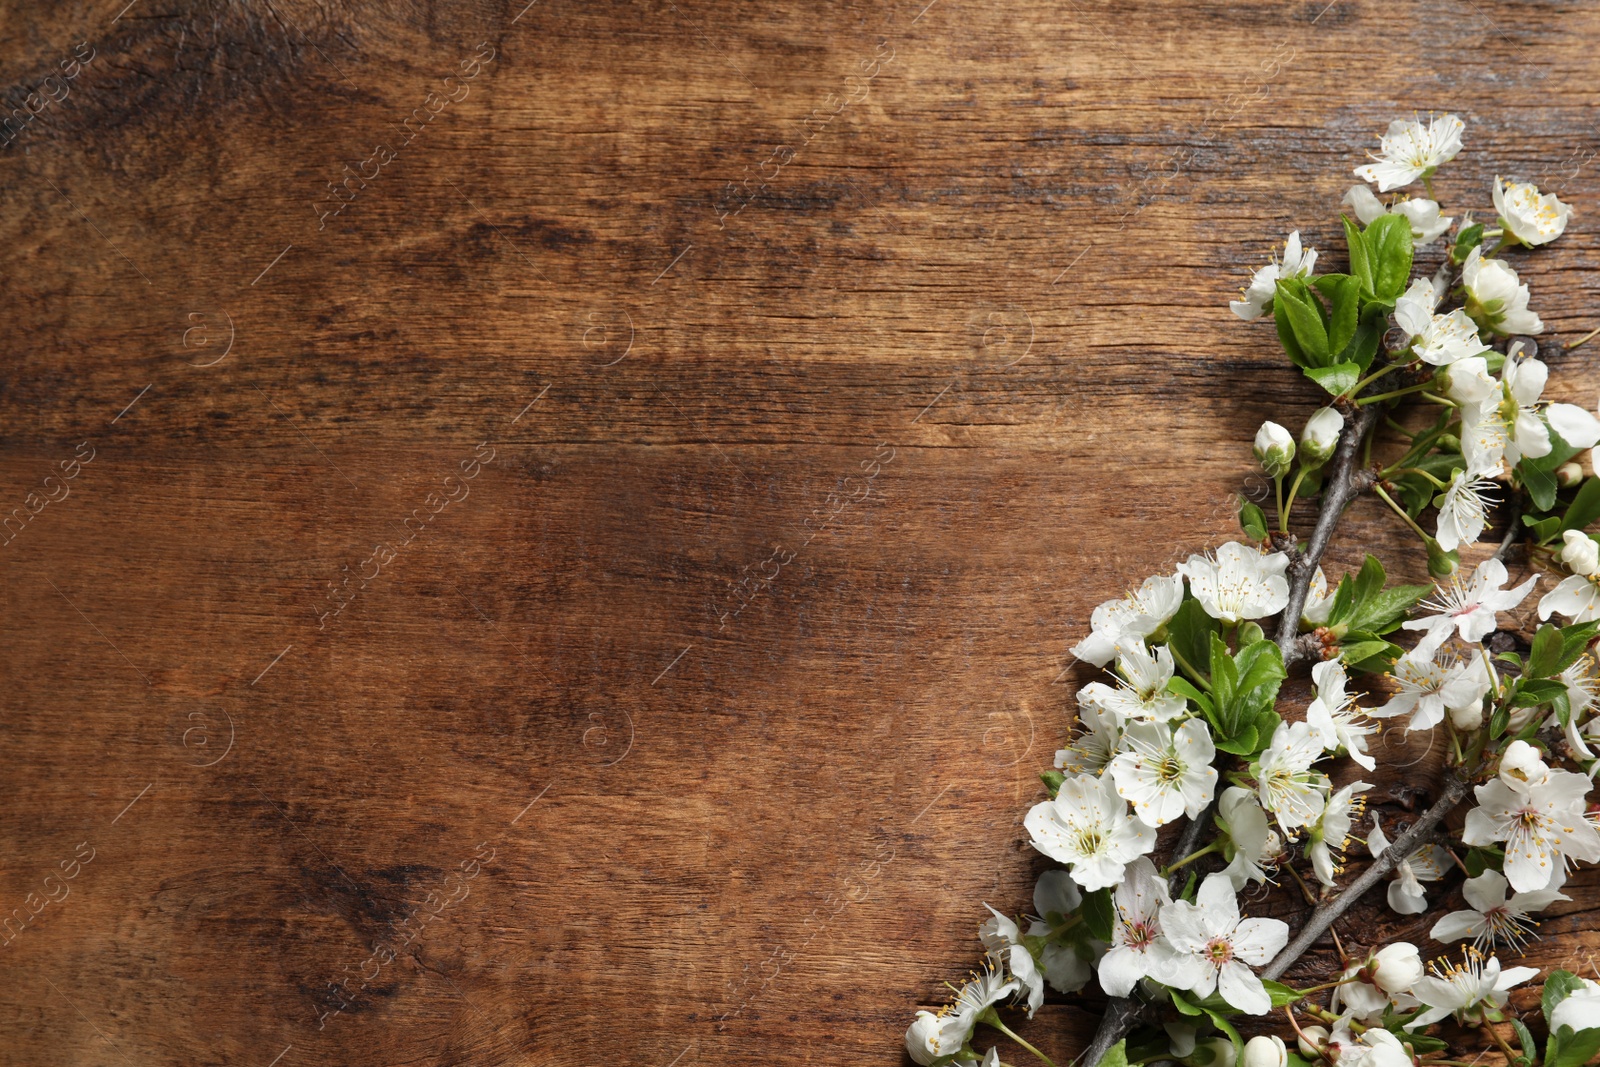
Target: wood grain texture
(834,361)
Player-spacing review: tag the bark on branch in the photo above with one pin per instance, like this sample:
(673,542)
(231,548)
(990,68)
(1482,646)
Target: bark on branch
(1341,487)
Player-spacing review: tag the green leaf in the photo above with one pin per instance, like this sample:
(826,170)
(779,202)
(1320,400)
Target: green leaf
(1242,742)
(1388,241)
(1478,860)
(1422,1043)
(1358,653)
(1052,781)
(1364,346)
(1233,1035)
(1538,476)
(1180,1002)
(1253,521)
(1574,642)
(1544,529)
(1585,507)
(1571,1048)
(1099,914)
(1116,1055)
(1291,347)
(1184,688)
(1304,313)
(1558,987)
(1469,238)
(1189,636)
(1281,994)
(1294,1059)
(1529,1049)
(1337,379)
(1346,302)
(1360,262)
(1545,653)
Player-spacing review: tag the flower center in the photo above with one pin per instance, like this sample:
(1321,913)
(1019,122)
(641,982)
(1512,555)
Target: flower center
(1170,769)
(1219,950)
(1090,841)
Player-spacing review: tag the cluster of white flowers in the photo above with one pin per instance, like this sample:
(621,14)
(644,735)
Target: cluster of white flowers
(1187,721)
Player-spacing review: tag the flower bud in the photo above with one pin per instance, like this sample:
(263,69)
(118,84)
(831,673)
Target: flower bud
(1212,1052)
(1523,766)
(1467,716)
(1275,449)
(1569,475)
(1580,553)
(1442,564)
(1265,1050)
(1320,437)
(1312,1040)
(1396,967)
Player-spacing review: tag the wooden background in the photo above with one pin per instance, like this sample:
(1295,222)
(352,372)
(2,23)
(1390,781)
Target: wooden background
(729,675)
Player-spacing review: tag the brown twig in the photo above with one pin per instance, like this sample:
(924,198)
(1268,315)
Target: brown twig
(1342,487)
(1455,788)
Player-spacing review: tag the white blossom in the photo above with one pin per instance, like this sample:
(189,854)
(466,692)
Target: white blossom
(1576,597)
(934,1037)
(1374,1048)
(1409,150)
(1240,582)
(1087,826)
(1002,937)
(1319,601)
(1464,509)
(1137,615)
(1165,772)
(1211,931)
(1099,736)
(1492,918)
(1320,436)
(1266,1050)
(1331,832)
(1274,449)
(1056,896)
(1580,553)
(1472,991)
(1138,948)
(1425,864)
(1255,844)
(1429,689)
(1289,788)
(1529,217)
(1522,767)
(1470,609)
(1495,298)
(1335,718)
(1468,382)
(1142,692)
(1426,225)
(1542,826)
(1580,1009)
(1297,262)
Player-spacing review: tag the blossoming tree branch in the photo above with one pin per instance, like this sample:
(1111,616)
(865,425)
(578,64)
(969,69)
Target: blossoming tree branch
(1435,408)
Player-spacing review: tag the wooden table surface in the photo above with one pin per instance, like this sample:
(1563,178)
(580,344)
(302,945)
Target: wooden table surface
(550,534)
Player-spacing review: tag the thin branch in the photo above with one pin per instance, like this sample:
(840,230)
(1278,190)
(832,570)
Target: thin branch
(1341,488)
(1455,788)
(1510,539)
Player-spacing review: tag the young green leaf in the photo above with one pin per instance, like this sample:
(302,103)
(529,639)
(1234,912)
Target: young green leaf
(1116,1055)
(1346,303)
(1360,262)
(1585,507)
(1558,987)
(1253,521)
(1099,913)
(1304,313)
(1388,241)
(1336,379)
